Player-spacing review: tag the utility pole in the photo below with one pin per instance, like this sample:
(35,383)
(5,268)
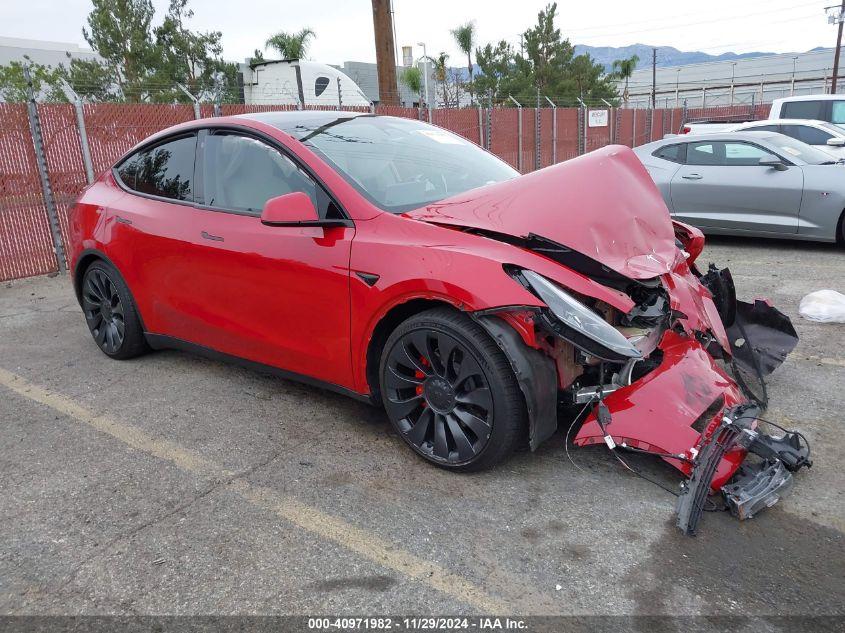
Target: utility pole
(654,77)
(425,80)
(733,76)
(385,52)
(836,19)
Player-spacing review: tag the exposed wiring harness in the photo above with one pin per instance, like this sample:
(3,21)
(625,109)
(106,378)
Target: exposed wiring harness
(780,428)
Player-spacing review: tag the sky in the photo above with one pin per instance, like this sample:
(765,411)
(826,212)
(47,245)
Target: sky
(344,28)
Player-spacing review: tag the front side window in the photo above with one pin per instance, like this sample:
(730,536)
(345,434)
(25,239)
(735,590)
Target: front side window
(241,173)
(400,164)
(802,110)
(725,154)
(165,170)
(706,154)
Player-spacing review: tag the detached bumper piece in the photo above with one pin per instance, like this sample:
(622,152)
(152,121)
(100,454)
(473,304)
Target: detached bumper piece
(757,488)
(757,485)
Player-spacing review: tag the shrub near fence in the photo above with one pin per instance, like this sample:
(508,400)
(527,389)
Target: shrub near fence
(26,246)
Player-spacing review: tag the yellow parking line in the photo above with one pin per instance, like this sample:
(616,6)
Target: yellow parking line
(310,519)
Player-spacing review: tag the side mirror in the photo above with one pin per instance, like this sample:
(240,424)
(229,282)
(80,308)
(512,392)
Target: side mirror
(774,162)
(836,142)
(291,209)
(296,209)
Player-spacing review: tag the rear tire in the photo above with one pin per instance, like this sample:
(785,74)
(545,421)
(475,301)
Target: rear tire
(110,312)
(450,392)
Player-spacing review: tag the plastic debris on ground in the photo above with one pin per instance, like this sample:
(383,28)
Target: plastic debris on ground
(826,306)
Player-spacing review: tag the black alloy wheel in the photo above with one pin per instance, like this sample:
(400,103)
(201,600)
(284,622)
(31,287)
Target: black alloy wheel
(103,311)
(440,391)
(110,312)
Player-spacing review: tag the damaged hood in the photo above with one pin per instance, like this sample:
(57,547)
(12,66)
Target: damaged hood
(603,205)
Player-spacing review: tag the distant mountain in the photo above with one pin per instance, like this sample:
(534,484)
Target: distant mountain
(666,55)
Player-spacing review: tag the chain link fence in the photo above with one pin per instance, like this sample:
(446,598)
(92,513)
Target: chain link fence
(74,142)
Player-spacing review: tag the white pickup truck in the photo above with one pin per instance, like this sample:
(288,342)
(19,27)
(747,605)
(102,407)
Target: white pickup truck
(828,108)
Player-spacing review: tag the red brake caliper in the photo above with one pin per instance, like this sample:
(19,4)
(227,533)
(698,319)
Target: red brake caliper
(419,375)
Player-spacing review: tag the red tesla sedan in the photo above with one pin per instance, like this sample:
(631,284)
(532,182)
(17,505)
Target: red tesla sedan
(399,263)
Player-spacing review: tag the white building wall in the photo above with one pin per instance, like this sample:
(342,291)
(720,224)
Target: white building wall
(755,79)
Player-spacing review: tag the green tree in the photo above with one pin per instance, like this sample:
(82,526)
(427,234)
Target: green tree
(119,30)
(257,57)
(623,69)
(548,65)
(412,77)
(291,45)
(547,54)
(187,57)
(465,39)
(502,73)
(94,80)
(46,82)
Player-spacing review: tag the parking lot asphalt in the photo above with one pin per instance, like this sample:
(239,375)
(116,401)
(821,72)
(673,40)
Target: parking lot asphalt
(172,484)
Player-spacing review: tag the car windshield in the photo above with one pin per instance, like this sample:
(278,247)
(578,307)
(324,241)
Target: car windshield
(792,148)
(401,164)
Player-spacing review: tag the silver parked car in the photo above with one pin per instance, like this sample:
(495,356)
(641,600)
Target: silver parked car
(822,135)
(749,183)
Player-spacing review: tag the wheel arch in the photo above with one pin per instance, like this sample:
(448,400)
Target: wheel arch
(389,321)
(83,262)
(85,259)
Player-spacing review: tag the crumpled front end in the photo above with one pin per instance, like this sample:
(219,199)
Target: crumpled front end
(680,376)
(660,356)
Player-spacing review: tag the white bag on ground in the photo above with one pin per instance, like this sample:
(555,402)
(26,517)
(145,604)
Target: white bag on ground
(823,305)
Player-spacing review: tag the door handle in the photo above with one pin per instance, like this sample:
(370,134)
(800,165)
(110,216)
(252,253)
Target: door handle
(209,236)
(692,176)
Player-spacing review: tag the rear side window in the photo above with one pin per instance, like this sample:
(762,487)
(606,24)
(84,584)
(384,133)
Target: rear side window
(241,173)
(807,134)
(674,153)
(166,170)
(802,110)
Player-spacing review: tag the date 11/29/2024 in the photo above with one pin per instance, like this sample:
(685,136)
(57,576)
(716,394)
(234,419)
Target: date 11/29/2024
(480,623)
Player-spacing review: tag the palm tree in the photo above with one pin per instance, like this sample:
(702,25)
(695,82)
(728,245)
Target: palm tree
(440,74)
(412,77)
(623,69)
(291,45)
(465,39)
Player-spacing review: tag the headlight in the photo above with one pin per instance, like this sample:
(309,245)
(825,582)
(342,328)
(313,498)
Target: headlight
(577,317)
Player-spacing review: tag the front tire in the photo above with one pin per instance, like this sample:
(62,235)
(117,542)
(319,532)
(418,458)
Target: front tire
(450,392)
(110,312)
